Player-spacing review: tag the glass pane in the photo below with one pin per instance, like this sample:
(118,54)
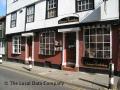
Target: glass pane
(106,30)
(47,46)
(86,38)
(106,46)
(86,31)
(47,40)
(90,6)
(47,52)
(51,47)
(87,50)
(92,31)
(99,31)
(51,34)
(99,38)
(92,38)
(99,46)
(107,54)
(106,38)
(79,8)
(99,54)
(52,40)
(1,33)
(92,50)
(83,7)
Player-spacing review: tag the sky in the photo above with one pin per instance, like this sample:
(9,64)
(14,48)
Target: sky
(2,7)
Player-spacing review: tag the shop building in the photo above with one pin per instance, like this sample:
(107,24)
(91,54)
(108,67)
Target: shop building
(68,34)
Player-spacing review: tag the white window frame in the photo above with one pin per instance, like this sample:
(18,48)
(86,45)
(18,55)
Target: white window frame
(51,8)
(45,43)
(87,5)
(17,44)
(99,26)
(1,29)
(30,13)
(13,19)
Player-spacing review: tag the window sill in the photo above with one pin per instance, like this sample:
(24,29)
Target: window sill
(84,10)
(16,53)
(51,17)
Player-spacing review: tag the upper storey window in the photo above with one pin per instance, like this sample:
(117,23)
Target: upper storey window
(13,19)
(84,5)
(30,14)
(51,8)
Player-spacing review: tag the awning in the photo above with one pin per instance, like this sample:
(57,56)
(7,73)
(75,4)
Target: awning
(69,29)
(27,34)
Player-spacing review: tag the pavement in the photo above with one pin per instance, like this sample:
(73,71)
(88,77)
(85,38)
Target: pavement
(90,81)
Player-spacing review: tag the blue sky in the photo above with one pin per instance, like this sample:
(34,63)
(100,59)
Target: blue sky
(2,7)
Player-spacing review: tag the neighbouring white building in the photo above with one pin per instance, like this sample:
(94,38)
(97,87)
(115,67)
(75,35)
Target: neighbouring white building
(2,38)
(69,34)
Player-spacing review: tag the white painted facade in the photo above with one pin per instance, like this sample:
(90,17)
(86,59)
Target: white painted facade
(102,12)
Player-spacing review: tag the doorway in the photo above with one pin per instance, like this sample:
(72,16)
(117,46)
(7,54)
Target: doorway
(70,49)
(29,44)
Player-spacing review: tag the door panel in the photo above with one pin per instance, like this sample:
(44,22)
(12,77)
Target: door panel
(71,47)
(29,42)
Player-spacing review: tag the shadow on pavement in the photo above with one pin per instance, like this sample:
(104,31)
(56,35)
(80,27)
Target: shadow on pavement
(26,68)
(93,83)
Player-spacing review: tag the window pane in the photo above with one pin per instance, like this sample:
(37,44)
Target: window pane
(106,30)
(99,31)
(106,46)
(107,54)
(106,38)
(87,50)
(99,38)
(92,38)
(0,33)
(86,38)
(92,53)
(100,54)
(93,31)
(86,31)
(99,46)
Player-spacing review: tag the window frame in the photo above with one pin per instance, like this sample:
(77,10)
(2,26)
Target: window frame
(45,43)
(1,30)
(13,20)
(28,15)
(18,44)
(55,8)
(103,42)
(76,6)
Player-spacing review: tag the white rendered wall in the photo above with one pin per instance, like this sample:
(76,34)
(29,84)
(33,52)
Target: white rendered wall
(65,8)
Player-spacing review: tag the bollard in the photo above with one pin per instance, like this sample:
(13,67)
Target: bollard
(111,76)
(30,64)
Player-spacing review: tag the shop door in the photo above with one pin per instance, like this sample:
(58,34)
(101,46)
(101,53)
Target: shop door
(71,48)
(29,42)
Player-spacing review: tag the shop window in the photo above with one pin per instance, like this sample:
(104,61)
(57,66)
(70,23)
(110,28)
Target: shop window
(47,40)
(16,44)
(97,45)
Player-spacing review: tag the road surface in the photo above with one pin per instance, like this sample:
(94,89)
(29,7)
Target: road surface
(14,80)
